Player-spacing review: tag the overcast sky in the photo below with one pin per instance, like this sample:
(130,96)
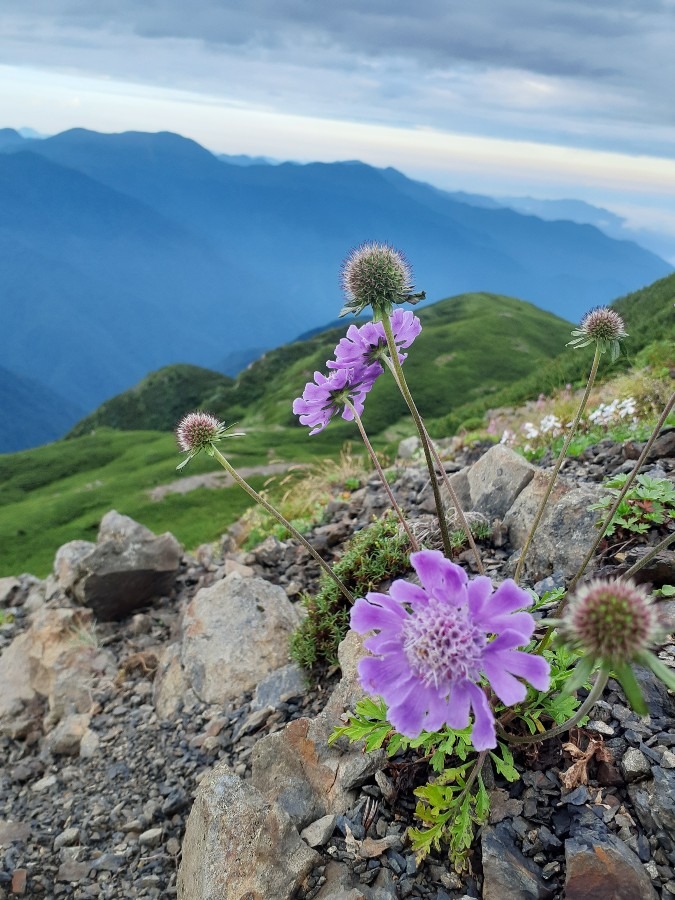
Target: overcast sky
(551,98)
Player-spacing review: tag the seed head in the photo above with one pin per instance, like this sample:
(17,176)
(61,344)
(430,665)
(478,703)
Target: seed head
(197,430)
(379,276)
(611,620)
(602,326)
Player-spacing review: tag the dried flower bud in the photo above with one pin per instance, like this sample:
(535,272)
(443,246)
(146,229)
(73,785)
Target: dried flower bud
(602,326)
(199,431)
(378,276)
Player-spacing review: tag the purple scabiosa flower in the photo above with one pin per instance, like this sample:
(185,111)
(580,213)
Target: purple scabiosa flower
(199,431)
(364,347)
(614,623)
(325,398)
(378,276)
(432,647)
(601,326)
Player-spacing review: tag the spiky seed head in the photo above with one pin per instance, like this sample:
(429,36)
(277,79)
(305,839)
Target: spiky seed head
(602,326)
(379,276)
(198,430)
(611,620)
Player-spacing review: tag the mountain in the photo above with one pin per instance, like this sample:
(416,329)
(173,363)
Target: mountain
(159,401)
(31,413)
(122,253)
(469,346)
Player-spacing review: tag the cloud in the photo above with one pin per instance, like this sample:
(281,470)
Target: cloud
(566,71)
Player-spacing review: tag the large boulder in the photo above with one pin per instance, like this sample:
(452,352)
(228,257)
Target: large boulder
(127,567)
(239,845)
(497,479)
(235,632)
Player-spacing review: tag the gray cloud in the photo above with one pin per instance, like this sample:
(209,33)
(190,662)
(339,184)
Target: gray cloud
(577,71)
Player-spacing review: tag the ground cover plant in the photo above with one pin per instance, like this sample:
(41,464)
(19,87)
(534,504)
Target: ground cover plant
(458,668)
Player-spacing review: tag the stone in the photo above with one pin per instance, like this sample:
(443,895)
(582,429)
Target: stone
(151,838)
(232,567)
(603,867)
(318,833)
(297,768)
(237,844)
(506,872)
(170,686)
(654,800)
(15,672)
(635,765)
(127,567)
(65,739)
(89,744)
(234,633)
(72,871)
(497,479)
(67,838)
(408,447)
(9,589)
(19,880)
(279,686)
(566,530)
(13,832)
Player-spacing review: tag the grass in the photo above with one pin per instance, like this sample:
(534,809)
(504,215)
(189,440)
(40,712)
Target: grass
(60,492)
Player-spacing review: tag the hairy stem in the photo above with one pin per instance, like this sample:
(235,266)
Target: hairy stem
(561,458)
(586,706)
(283,521)
(475,772)
(395,366)
(383,479)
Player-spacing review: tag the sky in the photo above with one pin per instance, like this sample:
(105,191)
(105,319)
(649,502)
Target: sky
(546,98)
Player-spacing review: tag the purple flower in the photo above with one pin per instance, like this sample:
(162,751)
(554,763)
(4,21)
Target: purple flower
(432,647)
(324,397)
(364,347)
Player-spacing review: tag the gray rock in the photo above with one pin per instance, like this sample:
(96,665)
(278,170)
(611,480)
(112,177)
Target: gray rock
(67,838)
(15,677)
(497,479)
(237,844)
(602,867)
(654,800)
(127,567)
(65,739)
(170,684)
(408,447)
(9,589)
(317,833)
(234,633)
(566,530)
(506,872)
(279,686)
(151,837)
(635,765)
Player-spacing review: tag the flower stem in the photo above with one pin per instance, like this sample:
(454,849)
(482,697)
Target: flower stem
(283,521)
(559,462)
(475,772)
(622,493)
(397,370)
(378,468)
(586,706)
(649,556)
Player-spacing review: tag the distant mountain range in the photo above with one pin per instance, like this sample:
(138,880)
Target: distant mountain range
(122,253)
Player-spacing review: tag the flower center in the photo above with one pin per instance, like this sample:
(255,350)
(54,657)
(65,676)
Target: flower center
(443,645)
(614,624)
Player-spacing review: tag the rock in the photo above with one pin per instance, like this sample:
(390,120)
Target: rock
(297,768)
(635,765)
(127,567)
(170,686)
(19,879)
(317,833)
(654,800)
(11,832)
(506,872)
(234,633)
(66,737)
(67,838)
(602,867)
(566,530)
(9,588)
(151,837)
(408,447)
(233,567)
(496,480)
(237,844)
(15,672)
(279,686)
(71,871)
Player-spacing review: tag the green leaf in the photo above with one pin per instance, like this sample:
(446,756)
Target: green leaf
(580,675)
(631,688)
(482,801)
(659,668)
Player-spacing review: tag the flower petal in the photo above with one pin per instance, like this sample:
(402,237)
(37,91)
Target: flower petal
(367,616)
(407,715)
(507,640)
(406,592)
(483,735)
(506,599)
(480,591)
(384,675)
(459,705)
(440,577)
(530,666)
(509,690)
(521,623)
